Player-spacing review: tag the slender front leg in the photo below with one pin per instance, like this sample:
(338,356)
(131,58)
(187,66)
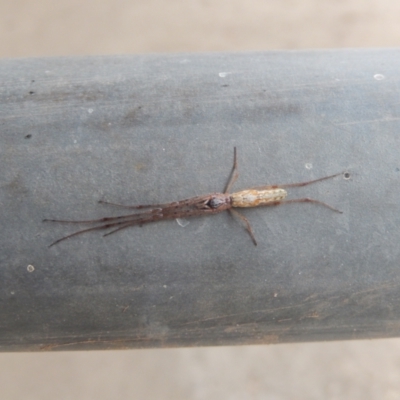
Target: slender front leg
(138,207)
(234,173)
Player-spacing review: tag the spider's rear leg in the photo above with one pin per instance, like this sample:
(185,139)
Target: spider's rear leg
(245,222)
(306,200)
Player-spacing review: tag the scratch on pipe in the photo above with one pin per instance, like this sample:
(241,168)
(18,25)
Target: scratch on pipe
(264,311)
(367,121)
(209,204)
(115,342)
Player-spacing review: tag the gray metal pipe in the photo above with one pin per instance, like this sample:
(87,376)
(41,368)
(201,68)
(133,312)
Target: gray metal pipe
(151,129)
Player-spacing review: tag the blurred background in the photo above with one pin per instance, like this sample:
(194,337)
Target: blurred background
(338,370)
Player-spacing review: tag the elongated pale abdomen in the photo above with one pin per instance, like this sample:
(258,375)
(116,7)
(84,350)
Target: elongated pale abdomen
(254,197)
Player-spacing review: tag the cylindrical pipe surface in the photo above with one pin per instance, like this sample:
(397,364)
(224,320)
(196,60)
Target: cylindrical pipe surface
(155,129)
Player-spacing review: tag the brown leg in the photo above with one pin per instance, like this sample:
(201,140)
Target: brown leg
(289,185)
(246,223)
(300,184)
(139,206)
(307,200)
(234,173)
(116,204)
